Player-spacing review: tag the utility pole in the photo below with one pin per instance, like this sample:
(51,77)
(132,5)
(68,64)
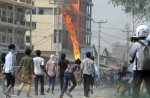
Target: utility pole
(99,37)
(57,30)
(127,30)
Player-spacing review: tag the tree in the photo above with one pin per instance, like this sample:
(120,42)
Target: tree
(138,9)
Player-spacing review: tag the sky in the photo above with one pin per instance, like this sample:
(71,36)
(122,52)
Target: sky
(112,31)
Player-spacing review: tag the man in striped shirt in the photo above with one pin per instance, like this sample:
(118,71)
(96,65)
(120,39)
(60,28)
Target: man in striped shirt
(69,76)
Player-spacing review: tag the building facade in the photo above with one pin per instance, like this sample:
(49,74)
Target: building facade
(45,18)
(82,18)
(13,24)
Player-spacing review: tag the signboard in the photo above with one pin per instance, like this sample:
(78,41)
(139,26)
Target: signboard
(85,50)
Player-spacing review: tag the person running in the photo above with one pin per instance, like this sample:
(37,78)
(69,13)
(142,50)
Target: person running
(39,63)
(8,68)
(70,73)
(51,67)
(62,66)
(87,68)
(27,66)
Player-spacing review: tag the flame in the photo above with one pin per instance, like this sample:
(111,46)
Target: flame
(71,30)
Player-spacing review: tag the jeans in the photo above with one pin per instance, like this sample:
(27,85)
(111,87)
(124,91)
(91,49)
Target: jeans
(27,78)
(69,77)
(3,83)
(87,79)
(61,81)
(138,77)
(41,78)
(51,82)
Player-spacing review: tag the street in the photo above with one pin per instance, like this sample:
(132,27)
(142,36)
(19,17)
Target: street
(77,93)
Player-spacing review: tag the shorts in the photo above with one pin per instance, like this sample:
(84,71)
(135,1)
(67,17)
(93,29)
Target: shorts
(10,79)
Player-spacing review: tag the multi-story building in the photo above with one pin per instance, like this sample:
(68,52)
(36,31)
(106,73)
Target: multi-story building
(13,24)
(45,18)
(82,18)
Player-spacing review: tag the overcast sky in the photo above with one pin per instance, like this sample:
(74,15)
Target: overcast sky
(116,19)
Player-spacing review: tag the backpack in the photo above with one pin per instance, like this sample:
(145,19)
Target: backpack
(144,56)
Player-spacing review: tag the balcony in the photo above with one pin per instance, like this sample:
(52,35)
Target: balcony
(17,23)
(8,1)
(25,3)
(6,22)
(23,24)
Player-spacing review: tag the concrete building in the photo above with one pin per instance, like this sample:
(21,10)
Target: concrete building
(13,24)
(45,19)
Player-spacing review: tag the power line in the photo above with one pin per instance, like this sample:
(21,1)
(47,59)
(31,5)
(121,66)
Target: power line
(43,39)
(42,42)
(110,35)
(106,42)
(110,28)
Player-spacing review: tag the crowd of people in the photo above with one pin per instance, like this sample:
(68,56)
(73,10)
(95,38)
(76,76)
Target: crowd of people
(35,68)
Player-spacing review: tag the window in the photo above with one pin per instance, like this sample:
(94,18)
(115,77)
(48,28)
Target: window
(7,39)
(10,7)
(20,10)
(33,11)
(10,39)
(18,41)
(41,11)
(3,13)
(10,14)
(28,39)
(34,25)
(55,11)
(45,11)
(19,32)
(10,30)
(3,39)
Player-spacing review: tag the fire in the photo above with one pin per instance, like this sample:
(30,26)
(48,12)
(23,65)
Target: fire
(70,27)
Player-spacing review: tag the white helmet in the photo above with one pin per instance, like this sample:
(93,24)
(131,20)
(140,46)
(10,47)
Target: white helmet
(142,31)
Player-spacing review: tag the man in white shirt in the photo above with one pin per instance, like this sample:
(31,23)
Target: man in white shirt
(8,68)
(38,70)
(87,67)
(140,74)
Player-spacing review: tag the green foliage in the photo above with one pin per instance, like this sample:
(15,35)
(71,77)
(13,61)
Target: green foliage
(139,9)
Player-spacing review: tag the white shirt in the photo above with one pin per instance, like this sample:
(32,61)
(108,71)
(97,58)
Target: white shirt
(9,63)
(38,62)
(88,66)
(135,52)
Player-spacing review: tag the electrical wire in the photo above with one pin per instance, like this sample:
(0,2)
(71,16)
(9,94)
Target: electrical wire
(109,35)
(109,28)
(42,42)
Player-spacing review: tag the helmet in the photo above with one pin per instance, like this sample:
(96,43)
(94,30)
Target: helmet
(142,31)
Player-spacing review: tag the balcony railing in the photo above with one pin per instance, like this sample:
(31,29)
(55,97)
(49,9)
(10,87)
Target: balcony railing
(16,22)
(25,1)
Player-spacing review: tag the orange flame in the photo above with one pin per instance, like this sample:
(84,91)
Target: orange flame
(70,27)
